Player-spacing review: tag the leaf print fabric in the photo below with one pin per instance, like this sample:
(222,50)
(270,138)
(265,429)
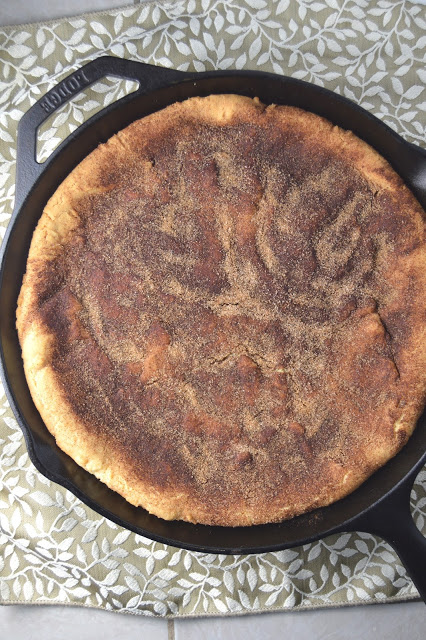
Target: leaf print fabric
(52,547)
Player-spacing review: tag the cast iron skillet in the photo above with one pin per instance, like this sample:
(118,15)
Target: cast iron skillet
(382,504)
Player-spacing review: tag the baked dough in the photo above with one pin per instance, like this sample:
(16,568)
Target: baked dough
(222,316)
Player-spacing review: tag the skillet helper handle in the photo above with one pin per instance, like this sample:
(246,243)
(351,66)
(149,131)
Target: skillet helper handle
(391,519)
(150,78)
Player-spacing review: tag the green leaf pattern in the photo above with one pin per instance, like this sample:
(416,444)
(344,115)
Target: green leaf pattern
(54,549)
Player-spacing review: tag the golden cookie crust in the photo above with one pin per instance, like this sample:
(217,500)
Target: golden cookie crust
(222,316)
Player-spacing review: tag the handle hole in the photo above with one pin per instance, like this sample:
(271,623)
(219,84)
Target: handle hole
(418,501)
(80,108)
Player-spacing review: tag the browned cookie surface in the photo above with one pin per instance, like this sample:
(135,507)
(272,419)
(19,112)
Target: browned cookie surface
(223,310)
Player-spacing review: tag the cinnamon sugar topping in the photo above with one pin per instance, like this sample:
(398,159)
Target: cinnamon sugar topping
(228,319)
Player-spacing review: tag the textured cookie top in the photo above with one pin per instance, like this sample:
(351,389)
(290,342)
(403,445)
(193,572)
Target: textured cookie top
(222,312)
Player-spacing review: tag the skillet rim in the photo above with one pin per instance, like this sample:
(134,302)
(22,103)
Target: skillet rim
(33,447)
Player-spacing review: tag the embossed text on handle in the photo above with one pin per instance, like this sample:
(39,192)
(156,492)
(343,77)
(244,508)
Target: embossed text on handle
(65,89)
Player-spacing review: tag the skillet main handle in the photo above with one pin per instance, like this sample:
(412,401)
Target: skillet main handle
(149,77)
(391,519)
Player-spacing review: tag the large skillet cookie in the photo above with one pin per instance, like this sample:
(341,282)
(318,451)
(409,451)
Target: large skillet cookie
(382,504)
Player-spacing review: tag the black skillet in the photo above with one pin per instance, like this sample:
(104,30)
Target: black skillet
(382,504)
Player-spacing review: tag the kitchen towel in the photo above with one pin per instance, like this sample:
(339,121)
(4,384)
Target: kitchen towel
(53,548)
